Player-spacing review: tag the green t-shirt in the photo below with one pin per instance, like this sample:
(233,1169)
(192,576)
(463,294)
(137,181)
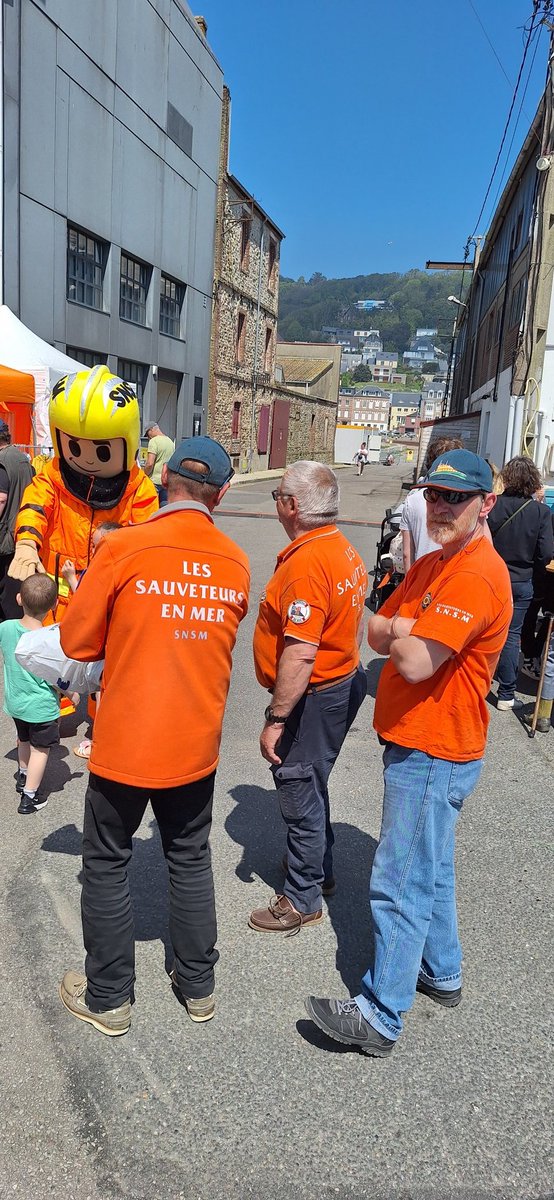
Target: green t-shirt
(163,448)
(25,697)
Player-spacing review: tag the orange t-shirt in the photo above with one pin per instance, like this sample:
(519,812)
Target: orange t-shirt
(464,602)
(161,602)
(316,595)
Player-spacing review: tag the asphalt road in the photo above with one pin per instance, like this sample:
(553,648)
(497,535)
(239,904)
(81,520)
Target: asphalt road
(257,1103)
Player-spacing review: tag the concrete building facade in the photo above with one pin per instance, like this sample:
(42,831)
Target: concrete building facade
(505,349)
(112,115)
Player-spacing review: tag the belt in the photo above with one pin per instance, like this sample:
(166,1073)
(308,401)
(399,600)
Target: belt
(329,683)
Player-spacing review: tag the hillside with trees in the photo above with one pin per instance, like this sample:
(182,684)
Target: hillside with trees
(414,300)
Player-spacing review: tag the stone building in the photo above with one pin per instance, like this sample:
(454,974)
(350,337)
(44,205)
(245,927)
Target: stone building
(262,422)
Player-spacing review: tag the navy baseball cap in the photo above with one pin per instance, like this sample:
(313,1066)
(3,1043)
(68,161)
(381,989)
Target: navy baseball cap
(458,470)
(206,451)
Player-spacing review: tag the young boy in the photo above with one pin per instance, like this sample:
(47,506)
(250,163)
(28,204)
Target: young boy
(33,703)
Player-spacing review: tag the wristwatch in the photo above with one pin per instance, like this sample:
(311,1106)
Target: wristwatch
(271,718)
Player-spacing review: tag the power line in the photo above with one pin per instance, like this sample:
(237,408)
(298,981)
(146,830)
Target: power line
(509,150)
(499,60)
(532,22)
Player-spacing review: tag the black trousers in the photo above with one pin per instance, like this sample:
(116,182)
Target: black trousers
(113,813)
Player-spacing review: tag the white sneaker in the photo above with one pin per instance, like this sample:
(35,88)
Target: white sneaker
(507,705)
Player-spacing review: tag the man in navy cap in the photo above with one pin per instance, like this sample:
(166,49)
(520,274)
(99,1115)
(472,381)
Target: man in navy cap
(168,595)
(442,631)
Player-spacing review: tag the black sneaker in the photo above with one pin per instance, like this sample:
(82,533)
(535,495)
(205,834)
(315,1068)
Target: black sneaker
(343,1021)
(447,999)
(26,806)
(20,781)
(40,801)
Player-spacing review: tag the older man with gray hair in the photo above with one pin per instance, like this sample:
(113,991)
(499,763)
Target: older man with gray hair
(306,653)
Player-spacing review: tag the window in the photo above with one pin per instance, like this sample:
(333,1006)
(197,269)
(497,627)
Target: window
(245,228)
(267,348)
(133,289)
(135,373)
(86,263)
(241,337)
(272,259)
(89,358)
(198,387)
(235,419)
(172,295)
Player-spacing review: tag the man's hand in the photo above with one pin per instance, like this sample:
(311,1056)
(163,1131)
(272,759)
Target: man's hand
(269,738)
(25,561)
(401,627)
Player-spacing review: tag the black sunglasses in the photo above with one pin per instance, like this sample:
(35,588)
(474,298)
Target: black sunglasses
(433,494)
(283,495)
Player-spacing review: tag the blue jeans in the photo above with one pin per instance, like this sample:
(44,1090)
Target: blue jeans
(507,669)
(412,887)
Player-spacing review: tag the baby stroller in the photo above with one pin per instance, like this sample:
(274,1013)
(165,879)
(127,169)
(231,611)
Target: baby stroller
(386,572)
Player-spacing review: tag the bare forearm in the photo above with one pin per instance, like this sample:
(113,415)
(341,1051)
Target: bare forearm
(293,676)
(407,549)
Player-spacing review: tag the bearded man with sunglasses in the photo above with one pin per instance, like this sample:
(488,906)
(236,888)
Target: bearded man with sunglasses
(442,630)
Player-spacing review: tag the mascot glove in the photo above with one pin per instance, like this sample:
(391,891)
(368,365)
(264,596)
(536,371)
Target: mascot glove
(25,561)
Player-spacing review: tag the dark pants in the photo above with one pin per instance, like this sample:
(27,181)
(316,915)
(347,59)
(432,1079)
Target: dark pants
(507,669)
(162,494)
(10,610)
(308,750)
(113,813)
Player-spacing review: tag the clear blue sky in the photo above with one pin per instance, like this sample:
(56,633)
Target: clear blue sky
(368,131)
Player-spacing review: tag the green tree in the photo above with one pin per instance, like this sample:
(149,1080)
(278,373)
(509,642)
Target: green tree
(362,374)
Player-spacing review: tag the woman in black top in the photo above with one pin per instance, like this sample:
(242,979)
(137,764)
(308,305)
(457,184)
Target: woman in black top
(521,531)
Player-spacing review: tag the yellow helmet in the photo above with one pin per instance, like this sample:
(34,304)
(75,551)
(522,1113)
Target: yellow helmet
(94,403)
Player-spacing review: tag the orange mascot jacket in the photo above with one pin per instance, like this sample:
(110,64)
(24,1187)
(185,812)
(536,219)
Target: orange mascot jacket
(61,525)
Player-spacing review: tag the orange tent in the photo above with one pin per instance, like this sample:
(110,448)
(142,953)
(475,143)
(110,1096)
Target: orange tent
(17,397)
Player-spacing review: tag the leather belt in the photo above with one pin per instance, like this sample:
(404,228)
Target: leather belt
(329,683)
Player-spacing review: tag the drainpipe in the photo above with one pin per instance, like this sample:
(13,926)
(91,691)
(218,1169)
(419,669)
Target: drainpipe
(509,430)
(517,427)
(256,351)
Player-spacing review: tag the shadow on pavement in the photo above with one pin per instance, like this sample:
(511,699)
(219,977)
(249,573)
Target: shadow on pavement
(256,825)
(148,881)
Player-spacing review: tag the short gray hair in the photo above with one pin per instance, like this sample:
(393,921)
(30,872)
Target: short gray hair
(316,489)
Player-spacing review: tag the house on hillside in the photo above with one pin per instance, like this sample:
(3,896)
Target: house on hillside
(505,347)
(403,405)
(368,406)
(422,349)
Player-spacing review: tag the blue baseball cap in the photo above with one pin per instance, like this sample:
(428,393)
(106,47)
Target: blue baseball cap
(206,451)
(459,470)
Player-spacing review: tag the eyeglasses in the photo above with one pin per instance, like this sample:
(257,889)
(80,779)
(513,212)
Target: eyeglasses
(433,494)
(277,495)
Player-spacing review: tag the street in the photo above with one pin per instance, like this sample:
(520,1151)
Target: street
(257,1103)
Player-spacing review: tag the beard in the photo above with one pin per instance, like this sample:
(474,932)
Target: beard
(441,531)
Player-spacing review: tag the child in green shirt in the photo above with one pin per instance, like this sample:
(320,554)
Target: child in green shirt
(33,703)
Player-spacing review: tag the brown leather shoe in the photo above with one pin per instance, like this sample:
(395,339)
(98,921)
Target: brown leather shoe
(328,887)
(282,917)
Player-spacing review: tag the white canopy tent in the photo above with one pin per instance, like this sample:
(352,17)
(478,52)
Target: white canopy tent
(23,350)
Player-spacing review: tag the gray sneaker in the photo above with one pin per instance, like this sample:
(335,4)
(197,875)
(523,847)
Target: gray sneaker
(343,1021)
(113,1022)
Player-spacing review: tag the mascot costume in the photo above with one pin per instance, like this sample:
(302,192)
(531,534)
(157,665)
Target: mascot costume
(93,477)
